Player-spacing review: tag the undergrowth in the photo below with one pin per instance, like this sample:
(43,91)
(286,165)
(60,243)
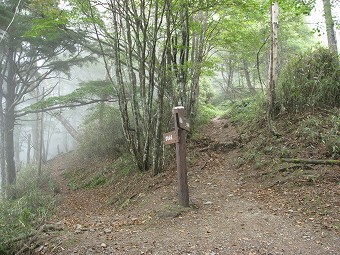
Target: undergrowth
(248,113)
(32,201)
(310,81)
(99,173)
(102,134)
(206,113)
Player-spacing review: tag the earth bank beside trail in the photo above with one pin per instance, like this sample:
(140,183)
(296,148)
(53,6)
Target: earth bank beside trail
(232,210)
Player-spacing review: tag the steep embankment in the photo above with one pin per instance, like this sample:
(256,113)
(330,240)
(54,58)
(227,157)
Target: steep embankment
(239,205)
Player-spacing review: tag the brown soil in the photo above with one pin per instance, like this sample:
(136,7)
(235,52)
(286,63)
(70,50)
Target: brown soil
(234,208)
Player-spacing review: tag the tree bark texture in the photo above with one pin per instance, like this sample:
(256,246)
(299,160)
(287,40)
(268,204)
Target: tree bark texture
(331,36)
(2,135)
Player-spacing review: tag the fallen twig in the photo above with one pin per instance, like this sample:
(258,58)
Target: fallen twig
(34,235)
(311,161)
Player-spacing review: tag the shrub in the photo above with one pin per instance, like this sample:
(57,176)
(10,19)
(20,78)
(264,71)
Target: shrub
(206,112)
(32,201)
(249,111)
(322,129)
(310,81)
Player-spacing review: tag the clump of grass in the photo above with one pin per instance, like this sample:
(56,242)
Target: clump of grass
(97,180)
(29,204)
(248,112)
(206,113)
(124,165)
(322,130)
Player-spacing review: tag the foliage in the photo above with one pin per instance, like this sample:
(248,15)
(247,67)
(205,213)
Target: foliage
(248,112)
(32,199)
(124,164)
(322,130)
(102,133)
(88,91)
(310,81)
(206,112)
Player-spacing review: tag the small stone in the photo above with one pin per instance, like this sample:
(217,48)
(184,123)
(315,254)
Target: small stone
(103,245)
(40,248)
(208,203)
(107,230)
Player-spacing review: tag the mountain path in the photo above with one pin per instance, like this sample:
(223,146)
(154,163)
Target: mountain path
(225,216)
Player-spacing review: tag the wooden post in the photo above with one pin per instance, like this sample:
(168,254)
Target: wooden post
(180,127)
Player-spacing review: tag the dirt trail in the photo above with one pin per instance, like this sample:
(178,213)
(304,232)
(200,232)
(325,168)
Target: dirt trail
(225,217)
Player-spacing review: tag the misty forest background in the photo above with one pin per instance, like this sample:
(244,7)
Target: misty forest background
(103,76)
(95,74)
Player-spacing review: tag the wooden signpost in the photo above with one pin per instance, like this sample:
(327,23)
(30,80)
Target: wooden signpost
(178,136)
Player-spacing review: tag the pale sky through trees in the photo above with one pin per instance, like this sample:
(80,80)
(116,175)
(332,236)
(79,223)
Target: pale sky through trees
(317,20)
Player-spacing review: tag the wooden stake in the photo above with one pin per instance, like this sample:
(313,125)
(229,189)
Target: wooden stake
(180,121)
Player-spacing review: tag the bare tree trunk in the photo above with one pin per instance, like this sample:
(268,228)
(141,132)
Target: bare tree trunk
(228,77)
(9,119)
(165,78)
(273,74)
(67,125)
(331,37)
(2,138)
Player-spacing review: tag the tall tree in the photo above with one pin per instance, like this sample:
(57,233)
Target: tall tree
(156,56)
(273,63)
(36,35)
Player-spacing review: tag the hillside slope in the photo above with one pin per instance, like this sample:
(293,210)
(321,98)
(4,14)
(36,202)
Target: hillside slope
(238,206)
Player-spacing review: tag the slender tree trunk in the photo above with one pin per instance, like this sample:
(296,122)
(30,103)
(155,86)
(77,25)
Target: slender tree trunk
(28,149)
(247,76)
(197,60)
(273,74)
(2,139)
(36,130)
(230,76)
(67,125)
(9,120)
(41,135)
(184,55)
(331,36)
(17,148)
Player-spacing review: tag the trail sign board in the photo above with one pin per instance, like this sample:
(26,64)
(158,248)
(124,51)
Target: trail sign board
(183,123)
(171,137)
